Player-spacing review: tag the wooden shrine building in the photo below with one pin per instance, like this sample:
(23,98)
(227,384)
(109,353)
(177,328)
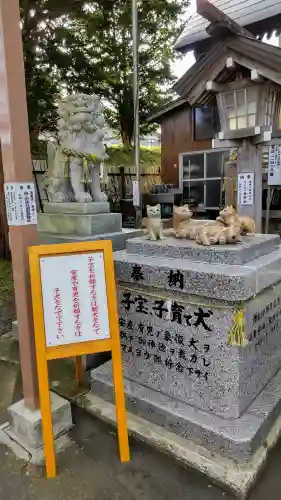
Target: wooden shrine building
(226,119)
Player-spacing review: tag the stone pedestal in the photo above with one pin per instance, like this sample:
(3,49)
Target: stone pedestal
(67,222)
(78,222)
(200,332)
(23,433)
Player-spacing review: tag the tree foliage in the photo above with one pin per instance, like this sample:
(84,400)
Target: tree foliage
(80,46)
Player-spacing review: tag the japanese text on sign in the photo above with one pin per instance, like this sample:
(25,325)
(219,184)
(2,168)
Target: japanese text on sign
(74,299)
(266,322)
(175,277)
(20,204)
(163,310)
(161,347)
(246,188)
(274,165)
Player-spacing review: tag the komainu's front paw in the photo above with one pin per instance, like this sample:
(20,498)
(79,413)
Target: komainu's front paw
(101,197)
(59,198)
(84,198)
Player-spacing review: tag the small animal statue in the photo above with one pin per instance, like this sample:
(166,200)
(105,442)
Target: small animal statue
(229,216)
(153,223)
(184,226)
(181,215)
(228,229)
(219,235)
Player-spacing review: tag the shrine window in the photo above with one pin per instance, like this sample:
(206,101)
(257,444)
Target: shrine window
(201,178)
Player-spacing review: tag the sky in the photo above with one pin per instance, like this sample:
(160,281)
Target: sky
(181,66)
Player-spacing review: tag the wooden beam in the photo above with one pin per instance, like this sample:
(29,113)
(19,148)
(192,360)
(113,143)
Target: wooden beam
(240,134)
(274,76)
(263,137)
(276,133)
(255,76)
(230,62)
(218,144)
(214,15)
(200,88)
(17,168)
(213,86)
(274,141)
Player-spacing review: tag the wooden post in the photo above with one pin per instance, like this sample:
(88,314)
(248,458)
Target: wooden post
(17,167)
(230,181)
(123,183)
(4,232)
(250,160)
(268,204)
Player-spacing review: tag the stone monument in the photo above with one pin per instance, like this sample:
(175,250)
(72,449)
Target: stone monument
(200,334)
(78,209)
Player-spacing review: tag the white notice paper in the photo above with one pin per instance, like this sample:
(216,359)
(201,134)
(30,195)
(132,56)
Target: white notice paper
(245,193)
(274,166)
(74,299)
(136,193)
(20,203)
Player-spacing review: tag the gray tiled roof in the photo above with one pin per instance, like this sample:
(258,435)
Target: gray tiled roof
(244,12)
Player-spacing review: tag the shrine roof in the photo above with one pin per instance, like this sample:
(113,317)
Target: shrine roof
(259,16)
(246,52)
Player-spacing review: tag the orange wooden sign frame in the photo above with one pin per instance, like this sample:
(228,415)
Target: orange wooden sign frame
(44,353)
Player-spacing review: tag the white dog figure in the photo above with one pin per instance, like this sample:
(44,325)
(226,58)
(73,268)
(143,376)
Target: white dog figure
(153,223)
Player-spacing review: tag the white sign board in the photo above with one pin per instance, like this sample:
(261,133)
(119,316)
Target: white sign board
(274,166)
(74,299)
(20,203)
(136,193)
(245,193)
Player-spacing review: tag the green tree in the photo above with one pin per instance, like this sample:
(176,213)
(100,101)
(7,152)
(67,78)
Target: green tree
(86,47)
(105,31)
(41,20)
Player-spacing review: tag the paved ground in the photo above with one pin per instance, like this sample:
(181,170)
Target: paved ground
(90,470)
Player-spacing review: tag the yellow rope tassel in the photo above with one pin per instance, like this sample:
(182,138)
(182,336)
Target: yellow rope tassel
(86,178)
(236,335)
(88,158)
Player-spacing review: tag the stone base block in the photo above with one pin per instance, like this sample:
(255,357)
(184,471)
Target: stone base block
(118,239)
(26,425)
(235,439)
(77,208)
(167,347)
(79,224)
(249,249)
(32,455)
(217,281)
(228,473)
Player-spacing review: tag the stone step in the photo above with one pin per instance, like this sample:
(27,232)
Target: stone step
(77,208)
(231,283)
(236,439)
(79,224)
(118,238)
(251,248)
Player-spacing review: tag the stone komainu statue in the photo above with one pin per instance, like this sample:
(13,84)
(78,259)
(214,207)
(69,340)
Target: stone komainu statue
(74,162)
